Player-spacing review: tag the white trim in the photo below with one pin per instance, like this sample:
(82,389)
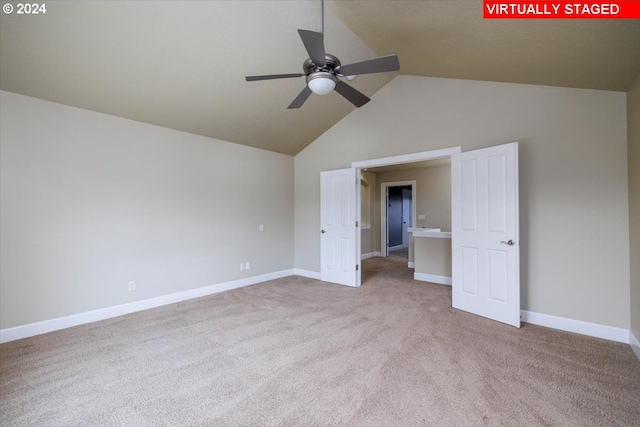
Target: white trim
(407,158)
(306,273)
(371,255)
(32,329)
(635,344)
(576,326)
(396,248)
(411,264)
(365,227)
(38,328)
(432,278)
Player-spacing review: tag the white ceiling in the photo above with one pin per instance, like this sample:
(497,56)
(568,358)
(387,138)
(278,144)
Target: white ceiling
(181,64)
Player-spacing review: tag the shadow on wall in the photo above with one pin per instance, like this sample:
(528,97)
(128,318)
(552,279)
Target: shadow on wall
(524,162)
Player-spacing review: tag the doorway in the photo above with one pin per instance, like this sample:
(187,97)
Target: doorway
(397,214)
(404,159)
(485,232)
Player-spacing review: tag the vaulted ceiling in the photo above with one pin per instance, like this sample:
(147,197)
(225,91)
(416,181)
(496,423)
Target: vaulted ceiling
(181,64)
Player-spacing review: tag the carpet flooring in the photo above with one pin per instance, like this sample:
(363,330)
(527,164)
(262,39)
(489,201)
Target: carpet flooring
(300,352)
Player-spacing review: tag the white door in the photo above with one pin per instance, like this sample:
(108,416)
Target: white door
(338,238)
(485,234)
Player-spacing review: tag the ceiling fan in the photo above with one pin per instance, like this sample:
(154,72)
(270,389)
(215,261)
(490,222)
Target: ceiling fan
(323,70)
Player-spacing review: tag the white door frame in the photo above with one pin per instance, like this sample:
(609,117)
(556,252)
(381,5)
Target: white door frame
(441,153)
(384,186)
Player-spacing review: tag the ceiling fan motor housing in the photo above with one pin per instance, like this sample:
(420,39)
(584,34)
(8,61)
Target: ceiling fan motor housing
(332,63)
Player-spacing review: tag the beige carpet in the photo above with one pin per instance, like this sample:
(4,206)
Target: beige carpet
(299,352)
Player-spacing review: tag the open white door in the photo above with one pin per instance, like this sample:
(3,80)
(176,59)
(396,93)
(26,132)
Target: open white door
(485,233)
(339,255)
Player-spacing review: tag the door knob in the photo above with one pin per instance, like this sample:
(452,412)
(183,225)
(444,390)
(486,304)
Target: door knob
(508,242)
(322,231)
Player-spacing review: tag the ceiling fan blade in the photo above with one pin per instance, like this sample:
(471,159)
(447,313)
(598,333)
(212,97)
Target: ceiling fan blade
(302,96)
(314,43)
(354,96)
(273,76)
(378,65)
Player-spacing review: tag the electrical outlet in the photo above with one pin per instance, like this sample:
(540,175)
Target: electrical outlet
(247,266)
(132,285)
(261,227)
(242,266)
(422,217)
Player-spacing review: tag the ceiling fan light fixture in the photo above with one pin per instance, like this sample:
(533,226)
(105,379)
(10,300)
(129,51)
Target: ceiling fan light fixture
(321,83)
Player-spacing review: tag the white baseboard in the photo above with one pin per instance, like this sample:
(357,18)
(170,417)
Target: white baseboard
(32,329)
(411,264)
(577,326)
(370,255)
(306,273)
(396,248)
(635,344)
(424,277)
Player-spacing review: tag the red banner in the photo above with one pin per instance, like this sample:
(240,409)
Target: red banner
(561,9)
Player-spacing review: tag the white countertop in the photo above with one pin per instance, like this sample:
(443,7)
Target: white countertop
(431,232)
(417,229)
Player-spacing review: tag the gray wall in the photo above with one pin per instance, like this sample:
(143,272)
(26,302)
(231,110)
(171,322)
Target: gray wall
(90,202)
(573,178)
(633,114)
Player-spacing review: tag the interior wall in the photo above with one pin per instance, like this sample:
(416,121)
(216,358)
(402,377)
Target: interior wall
(574,217)
(633,114)
(433,196)
(369,242)
(90,202)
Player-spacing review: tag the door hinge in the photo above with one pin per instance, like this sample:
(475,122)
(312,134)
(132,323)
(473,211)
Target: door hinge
(357,267)
(356,224)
